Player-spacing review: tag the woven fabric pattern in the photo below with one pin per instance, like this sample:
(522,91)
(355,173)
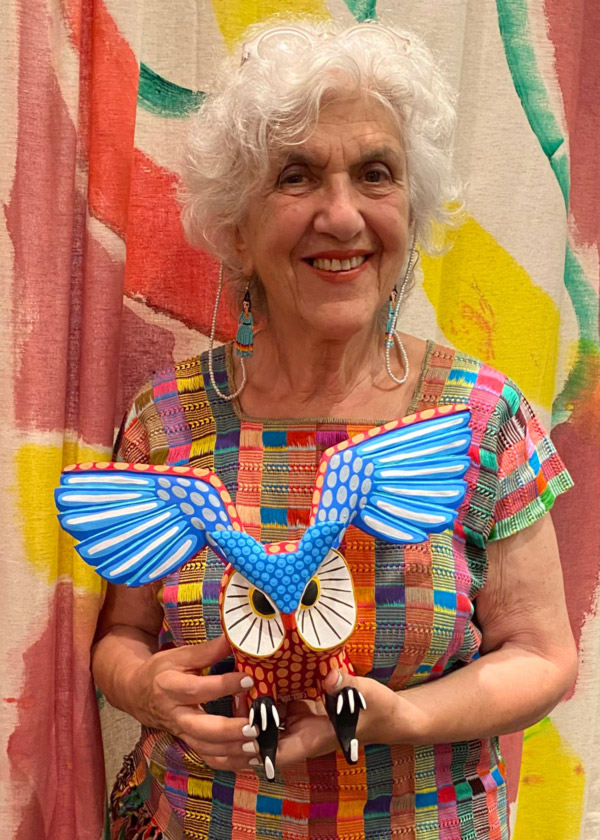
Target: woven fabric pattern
(415,608)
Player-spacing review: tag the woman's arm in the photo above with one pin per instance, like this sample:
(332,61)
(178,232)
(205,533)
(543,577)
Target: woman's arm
(528,662)
(529,659)
(164,690)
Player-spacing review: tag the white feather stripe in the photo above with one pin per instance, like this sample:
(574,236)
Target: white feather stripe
(407,434)
(410,472)
(127,535)
(171,560)
(420,492)
(111,478)
(461,444)
(112,497)
(411,515)
(145,551)
(386,530)
(110,514)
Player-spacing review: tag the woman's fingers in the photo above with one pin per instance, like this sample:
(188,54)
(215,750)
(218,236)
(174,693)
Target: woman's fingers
(215,731)
(198,657)
(191,689)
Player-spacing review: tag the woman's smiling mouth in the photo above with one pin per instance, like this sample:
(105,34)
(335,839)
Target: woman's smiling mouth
(338,265)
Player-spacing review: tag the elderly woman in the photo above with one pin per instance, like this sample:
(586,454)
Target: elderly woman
(313,172)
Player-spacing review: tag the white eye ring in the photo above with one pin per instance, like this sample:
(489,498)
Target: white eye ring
(328,617)
(252,623)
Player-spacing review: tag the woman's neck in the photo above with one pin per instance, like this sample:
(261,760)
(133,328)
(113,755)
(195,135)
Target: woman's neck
(294,374)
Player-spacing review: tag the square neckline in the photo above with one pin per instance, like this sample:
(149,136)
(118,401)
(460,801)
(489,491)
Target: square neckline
(242,416)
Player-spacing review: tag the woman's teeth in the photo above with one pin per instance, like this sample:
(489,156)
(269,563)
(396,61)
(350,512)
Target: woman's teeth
(338,265)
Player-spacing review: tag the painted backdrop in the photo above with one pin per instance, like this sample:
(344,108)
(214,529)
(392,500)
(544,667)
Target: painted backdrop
(99,289)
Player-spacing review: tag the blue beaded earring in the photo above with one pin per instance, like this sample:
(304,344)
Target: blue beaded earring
(244,340)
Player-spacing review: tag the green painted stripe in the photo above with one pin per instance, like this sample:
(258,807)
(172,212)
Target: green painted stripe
(513,21)
(164,98)
(363,9)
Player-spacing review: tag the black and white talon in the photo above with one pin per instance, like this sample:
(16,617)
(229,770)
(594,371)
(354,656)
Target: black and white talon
(343,712)
(264,715)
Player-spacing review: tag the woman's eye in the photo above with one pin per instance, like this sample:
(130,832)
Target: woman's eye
(291,179)
(377,175)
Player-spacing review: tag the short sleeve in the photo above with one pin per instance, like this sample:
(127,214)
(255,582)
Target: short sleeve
(132,444)
(530,472)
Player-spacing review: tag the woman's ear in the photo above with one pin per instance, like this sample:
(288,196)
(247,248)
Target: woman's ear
(244,251)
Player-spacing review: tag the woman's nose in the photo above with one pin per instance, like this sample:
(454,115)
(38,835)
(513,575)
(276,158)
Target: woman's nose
(338,213)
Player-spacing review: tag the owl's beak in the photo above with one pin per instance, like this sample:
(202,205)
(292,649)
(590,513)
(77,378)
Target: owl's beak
(289,621)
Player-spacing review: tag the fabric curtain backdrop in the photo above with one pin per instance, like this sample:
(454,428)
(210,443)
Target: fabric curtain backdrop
(100,289)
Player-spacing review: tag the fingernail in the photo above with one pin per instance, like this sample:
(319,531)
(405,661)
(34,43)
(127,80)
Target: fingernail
(254,762)
(339,681)
(247,682)
(249,747)
(249,731)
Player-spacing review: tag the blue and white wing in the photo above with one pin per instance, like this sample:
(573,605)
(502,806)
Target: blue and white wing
(137,523)
(399,482)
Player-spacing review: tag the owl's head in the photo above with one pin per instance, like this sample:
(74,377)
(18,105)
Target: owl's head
(324,617)
(270,590)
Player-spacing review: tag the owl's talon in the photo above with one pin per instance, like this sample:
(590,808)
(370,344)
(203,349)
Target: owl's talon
(263,710)
(343,712)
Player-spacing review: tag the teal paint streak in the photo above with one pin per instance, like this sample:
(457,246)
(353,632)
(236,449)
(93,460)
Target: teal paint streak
(161,97)
(529,84)
(363,9)
(520,56)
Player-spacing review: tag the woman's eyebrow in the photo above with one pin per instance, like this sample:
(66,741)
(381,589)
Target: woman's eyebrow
(304,157)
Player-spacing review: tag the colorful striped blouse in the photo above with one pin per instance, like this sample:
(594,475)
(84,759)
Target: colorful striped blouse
(415,612)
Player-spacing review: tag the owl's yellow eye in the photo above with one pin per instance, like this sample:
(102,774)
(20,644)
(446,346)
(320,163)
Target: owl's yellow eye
(261,604)
(310,594)
(250,619)
(326,614)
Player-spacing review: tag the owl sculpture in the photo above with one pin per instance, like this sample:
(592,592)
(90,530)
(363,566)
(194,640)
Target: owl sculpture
(287,608)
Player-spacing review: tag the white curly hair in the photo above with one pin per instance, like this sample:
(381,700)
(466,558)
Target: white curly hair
(272,99)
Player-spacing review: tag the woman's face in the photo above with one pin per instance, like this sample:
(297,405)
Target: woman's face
(328,234)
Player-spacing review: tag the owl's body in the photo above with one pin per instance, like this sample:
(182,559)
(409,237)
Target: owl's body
(284,652)
(287,608)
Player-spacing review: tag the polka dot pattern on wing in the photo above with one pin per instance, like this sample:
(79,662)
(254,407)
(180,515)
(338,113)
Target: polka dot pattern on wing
(185,482)
(162,494)
(179,492)
(186,508)
(331,479)
(208,514)
(198,523)
(164,482)
(347,456)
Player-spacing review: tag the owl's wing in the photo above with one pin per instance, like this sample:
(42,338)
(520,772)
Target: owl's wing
(399,482)
(137,523)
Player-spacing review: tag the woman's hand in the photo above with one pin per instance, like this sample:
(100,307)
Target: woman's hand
(166,692)
(309,732)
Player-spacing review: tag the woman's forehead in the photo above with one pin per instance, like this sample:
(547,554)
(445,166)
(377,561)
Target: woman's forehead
(364,128)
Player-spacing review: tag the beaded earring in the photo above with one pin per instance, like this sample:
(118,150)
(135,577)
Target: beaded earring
(389,327)
(244,340)
(211,343)
(391,336)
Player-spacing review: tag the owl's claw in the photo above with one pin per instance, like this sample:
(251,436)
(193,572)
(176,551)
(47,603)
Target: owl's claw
(263,714)
(343,711)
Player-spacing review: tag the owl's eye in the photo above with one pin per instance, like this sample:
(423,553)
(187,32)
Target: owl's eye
(327,612)
(261,604)
(310,594)
(251,621)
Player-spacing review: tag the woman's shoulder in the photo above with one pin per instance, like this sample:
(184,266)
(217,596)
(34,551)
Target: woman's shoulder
(452,375)
(183,376)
